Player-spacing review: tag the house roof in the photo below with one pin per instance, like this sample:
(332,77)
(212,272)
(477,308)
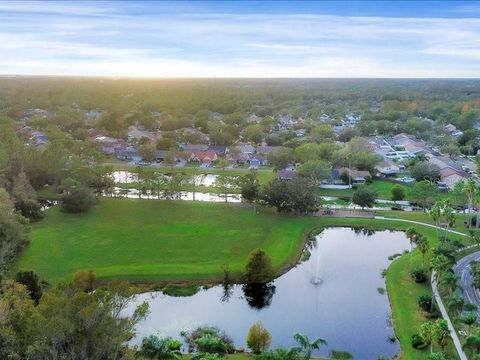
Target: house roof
(219,149)
(446,172)
(204,155)
(354,173)
(266,149)
(196,147)
(286,174)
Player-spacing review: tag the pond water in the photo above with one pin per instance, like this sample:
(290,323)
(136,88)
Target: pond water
(127,177)
(345,307)
(182,195)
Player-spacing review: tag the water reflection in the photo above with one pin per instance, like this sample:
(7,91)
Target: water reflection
(346,308)
(259,296)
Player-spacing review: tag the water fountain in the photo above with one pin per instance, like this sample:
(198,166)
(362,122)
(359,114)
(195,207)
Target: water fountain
(316,280)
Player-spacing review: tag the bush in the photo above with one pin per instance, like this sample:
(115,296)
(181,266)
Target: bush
(259,268)
(341,355)
(425,302)
(258,338)
(209,340)
(418,275)
(85,280)
(417,342)
(78,200)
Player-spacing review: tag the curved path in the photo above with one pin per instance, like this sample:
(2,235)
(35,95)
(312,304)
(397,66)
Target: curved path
(451,328)
(436,294)
(462,270)
(421,223)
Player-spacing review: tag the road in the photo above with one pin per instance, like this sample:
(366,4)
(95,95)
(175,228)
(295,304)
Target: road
(462,270)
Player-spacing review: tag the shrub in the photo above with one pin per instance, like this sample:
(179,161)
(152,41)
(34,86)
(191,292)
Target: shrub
(85,280)
(258,338)
(425,303)
(280,354)
(341,355)
(208,340)
(418,275)
(259,268)
(174,345)
(417,342)
(78,200)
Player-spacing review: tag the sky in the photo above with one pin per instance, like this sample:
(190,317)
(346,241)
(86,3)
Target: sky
(387,39)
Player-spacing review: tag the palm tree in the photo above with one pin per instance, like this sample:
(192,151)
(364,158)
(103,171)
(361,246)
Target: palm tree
(449,216)
(476,200)
(448,281)
(468,319)
(472,341)
(435,214)
(440,263)
(412,236)
(427,331)
(455,303)
(307,346)
(441,333)
(423,246)
(469,190)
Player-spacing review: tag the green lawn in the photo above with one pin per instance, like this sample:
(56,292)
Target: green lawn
(175,241)
(143,240)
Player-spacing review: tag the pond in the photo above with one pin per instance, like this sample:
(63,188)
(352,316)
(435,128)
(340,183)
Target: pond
(334,295)
(127,177)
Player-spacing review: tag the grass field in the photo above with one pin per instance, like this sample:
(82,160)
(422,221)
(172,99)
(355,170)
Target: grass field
(168,241)
(141,240)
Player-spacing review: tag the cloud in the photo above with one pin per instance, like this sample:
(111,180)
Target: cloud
(118,39)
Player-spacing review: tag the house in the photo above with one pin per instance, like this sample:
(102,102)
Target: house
(300,132)
(162,155)
(387,168)
(286,175)
(33,137)
(195,147)
(451,176)
(31,113)
(239,158)
(253,119)
(255,163)
(450,171)
(93,115)
(452,130)
(357,176)
(134,133)
(449,129)
(109,145)
(129,154)
(203,156)
(245,148)
(265,150)
(220,150)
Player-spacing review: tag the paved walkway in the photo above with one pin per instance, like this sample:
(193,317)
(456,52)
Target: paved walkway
(451,328)
(421,223)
